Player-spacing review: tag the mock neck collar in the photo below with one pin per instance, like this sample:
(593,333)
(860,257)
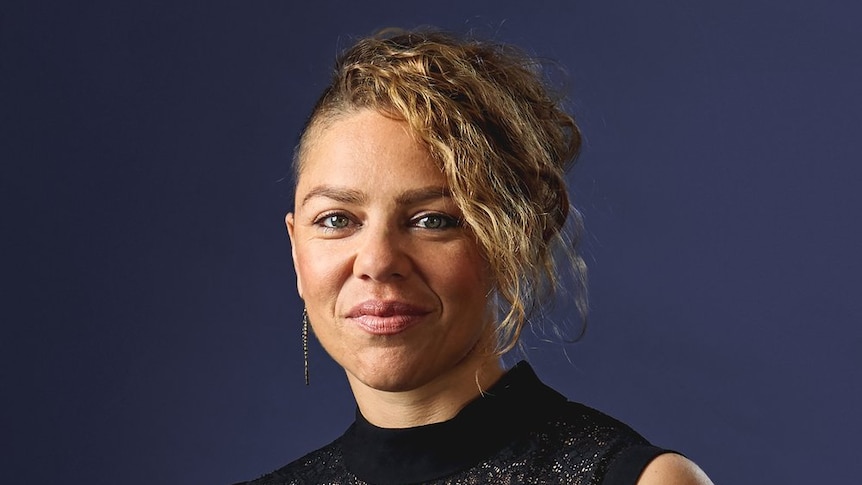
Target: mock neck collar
(484,426)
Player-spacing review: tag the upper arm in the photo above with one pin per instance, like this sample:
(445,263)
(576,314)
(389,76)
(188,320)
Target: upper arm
(673,469)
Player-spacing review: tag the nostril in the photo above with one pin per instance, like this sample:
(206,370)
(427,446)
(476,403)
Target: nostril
(381,258)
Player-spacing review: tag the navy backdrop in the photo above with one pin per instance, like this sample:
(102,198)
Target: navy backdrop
(150,326)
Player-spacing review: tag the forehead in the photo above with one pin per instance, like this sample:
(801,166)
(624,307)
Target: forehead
(365,146)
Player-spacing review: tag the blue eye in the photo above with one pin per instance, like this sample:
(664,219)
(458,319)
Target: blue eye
(436,221)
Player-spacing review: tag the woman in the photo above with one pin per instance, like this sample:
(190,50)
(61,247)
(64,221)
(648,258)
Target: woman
(429,203)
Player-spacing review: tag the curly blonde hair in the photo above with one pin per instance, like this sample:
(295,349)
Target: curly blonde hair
(487,116)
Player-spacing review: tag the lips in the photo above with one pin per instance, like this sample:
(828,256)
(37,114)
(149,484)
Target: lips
(380,317)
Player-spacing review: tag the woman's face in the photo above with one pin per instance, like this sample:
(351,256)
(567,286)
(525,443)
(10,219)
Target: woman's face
(395,287)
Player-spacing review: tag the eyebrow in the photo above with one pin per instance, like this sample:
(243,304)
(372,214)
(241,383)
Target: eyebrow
(423,194)
(340,194)
(352,196)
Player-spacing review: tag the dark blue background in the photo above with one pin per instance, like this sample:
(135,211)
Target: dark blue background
(150,327)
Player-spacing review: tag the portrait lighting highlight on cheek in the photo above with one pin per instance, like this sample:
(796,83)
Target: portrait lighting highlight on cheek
(394,284)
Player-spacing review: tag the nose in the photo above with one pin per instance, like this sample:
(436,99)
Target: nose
(381,255)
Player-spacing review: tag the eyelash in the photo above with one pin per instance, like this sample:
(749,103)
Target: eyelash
(322,220)
(446,221)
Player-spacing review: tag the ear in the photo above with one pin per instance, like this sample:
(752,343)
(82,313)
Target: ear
(290,222)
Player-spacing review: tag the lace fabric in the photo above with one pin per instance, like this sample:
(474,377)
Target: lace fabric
(519,432)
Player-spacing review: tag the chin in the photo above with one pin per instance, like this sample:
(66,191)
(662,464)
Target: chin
(395,384)
(393,374)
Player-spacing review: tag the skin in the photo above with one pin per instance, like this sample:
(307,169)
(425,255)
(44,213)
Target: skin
(673,469)
(373,223)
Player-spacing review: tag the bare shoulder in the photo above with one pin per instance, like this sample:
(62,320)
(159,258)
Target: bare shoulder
(673,469)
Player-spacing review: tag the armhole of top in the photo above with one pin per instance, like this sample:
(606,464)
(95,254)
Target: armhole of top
(627,467)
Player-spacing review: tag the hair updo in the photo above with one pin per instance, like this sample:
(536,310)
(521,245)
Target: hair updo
(486,115)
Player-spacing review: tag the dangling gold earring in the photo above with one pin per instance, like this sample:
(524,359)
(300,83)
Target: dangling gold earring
(305,342)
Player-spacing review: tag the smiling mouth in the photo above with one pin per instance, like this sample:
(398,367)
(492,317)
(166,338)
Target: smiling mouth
(386,317)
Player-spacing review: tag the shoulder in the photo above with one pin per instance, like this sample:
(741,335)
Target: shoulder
(323,464)
(578,437)
(625,456)
(588,422)
(673,469)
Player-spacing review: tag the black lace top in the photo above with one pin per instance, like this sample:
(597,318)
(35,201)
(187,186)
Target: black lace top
(519,432)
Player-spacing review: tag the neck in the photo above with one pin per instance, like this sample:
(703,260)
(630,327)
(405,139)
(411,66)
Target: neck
(434,402)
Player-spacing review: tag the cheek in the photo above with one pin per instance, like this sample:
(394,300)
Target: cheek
(321,273)
(465,277)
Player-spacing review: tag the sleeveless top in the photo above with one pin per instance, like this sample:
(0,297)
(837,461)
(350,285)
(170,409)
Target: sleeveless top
(520,431)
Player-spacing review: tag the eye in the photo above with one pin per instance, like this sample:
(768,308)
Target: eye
(333,221)
(436,221)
